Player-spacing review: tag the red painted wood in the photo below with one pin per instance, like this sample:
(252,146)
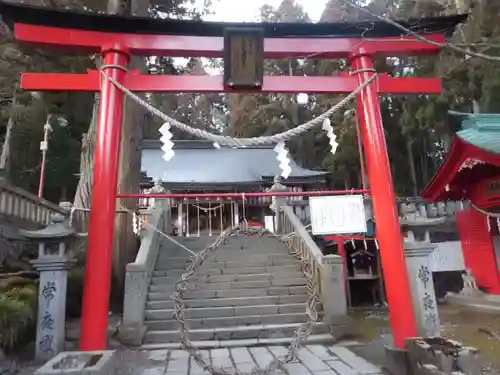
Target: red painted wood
(478,249)
(194,84)
(446,184)
(245,195)
(482,196)
(102,221)
(397,285)
(89,42)
(360,51)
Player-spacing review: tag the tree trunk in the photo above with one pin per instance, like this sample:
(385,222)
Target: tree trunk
(5,156)
(125,241)
(411,165)
(129,167)
(347,180)
(446,138)
(423,163)
(463,8)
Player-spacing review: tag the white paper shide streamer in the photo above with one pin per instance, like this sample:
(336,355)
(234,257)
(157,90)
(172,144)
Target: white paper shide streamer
(166,139)
(282,157)
(327,127)
(135,223)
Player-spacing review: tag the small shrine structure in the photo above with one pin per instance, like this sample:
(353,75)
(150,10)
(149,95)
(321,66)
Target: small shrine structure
(117,39)
(221,170)
(471,172)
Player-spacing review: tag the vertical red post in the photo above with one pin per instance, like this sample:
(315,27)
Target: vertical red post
(402,315)
(102,216)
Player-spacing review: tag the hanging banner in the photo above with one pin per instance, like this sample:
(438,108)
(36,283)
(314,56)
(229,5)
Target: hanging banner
(341,214)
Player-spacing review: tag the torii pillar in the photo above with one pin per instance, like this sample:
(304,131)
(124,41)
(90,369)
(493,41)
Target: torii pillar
(117,41)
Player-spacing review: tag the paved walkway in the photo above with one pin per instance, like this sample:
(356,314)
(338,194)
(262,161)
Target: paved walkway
(313,360)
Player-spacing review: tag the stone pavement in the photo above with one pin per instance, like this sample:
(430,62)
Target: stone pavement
(313,360)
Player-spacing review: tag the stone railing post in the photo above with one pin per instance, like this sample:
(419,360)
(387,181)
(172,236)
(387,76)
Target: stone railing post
(138,275)
(422,288)
(132,329)
(53,262)
(333,293)
(277,203)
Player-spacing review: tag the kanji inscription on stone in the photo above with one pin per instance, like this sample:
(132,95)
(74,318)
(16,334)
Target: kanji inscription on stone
(428,302)
(47,322)
(46,344)
(48,291)
(424,275)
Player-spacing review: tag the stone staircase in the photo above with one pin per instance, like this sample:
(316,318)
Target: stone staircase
(250,291)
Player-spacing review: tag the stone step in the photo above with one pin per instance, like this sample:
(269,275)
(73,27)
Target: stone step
(298,281)
(160,270)
(231,321)
(324,338)
(221,302)
(254,248)
(155,280)
(226,311)
(168,264)
(232,293)
(237,255)
(257,248)
(233,333)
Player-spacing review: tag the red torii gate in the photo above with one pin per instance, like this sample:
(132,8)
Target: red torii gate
(117,38)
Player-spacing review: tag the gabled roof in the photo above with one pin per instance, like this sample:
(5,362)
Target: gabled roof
(199,162)
(475,154)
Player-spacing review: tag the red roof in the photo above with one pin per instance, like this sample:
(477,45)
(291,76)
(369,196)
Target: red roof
(464,165)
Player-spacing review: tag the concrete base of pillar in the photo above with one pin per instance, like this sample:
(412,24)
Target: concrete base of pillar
(397,362)
(81,363)
(132,335)
(437,355)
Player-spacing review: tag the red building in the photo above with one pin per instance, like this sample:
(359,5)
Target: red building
(471,171)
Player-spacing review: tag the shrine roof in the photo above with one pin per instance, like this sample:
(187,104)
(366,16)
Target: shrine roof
(481,130)
(199,162)
(44,16)
(473,156)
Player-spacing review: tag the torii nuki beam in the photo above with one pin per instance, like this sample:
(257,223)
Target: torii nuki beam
(118,38)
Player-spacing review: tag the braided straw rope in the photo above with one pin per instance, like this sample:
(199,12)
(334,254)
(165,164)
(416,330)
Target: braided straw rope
(183,285)
(242,142)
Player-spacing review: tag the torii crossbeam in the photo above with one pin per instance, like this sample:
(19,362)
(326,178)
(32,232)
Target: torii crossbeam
(118,38)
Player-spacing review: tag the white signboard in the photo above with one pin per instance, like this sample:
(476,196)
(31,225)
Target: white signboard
(269,223)
(337,214)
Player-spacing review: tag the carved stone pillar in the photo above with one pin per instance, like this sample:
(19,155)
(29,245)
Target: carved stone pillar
(53,262)
(333,292)
(422,288)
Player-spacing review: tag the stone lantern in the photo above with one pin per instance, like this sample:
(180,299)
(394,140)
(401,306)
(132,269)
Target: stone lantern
(54,260)
(277,202)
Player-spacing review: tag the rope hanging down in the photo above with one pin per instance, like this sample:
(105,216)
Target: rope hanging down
(197,260)
(300,335)
(241,142)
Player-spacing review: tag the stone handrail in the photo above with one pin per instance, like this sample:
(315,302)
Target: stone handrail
(424,209)
(327,270)
(20,204)
(138,274)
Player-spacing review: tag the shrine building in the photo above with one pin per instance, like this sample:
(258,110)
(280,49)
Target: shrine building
(200,167)
(471,171)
